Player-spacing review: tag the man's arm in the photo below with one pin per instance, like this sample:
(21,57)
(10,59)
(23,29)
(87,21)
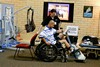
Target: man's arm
(39,30)
(46,21)
(43,39)
(59,25)
(59,31)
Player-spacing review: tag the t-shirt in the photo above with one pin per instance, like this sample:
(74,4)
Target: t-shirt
(48,34)
(46,21)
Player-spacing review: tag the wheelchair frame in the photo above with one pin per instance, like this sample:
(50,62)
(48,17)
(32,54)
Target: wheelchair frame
(49,53)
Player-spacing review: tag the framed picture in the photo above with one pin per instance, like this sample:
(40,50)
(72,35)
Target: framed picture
(88,12)
(64,11)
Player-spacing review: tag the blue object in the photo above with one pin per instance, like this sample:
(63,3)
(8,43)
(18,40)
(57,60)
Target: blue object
(4,46)
(10,44)
(91,46)
(0,30)
(88,15)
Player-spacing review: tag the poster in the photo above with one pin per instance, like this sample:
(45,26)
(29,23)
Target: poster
(72,30)
(88,12)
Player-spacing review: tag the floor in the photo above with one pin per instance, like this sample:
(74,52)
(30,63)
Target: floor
(7,60)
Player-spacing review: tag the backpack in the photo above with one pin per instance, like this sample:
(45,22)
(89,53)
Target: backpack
(30,26)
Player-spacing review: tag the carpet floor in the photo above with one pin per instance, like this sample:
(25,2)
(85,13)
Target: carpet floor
(7,60)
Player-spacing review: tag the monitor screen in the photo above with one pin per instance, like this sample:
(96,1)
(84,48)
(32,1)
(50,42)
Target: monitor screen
(64,10)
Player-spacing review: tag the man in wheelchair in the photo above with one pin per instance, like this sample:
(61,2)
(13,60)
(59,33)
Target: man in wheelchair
(47,35)
(47,38)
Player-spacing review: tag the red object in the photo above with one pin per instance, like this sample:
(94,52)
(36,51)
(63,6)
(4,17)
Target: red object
(18,37)
(23,46)
(26,46)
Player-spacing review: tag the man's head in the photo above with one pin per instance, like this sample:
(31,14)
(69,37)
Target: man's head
(53,13)
(51,24)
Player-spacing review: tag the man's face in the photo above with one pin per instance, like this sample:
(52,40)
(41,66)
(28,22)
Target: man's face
(53,14)
(52,24)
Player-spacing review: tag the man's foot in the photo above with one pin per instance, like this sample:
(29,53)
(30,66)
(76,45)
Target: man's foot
(78,46)
(71,50)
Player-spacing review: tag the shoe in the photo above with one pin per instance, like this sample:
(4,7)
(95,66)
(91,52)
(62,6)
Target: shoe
(1,50)
(71,49)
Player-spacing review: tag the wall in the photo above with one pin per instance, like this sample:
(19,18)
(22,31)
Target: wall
(88,26)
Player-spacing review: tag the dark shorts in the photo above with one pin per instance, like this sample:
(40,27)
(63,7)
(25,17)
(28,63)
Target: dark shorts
(57,38)
(58,44)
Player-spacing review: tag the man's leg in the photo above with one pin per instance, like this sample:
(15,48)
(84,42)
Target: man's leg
(65,42)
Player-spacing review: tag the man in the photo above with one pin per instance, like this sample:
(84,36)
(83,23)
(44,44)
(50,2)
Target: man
(52,16)
(47,35)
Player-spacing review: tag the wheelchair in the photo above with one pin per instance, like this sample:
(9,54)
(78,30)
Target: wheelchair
(49,53)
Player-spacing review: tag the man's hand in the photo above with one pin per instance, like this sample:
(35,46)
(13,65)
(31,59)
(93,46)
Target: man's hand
(60,31)
(43,39)
(47,43)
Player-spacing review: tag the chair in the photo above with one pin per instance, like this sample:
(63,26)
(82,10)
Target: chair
(26,46)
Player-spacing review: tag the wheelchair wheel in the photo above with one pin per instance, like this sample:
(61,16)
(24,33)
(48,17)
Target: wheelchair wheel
(49,53)
(38,51)
(63,58)
(46,53)
(63,55)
